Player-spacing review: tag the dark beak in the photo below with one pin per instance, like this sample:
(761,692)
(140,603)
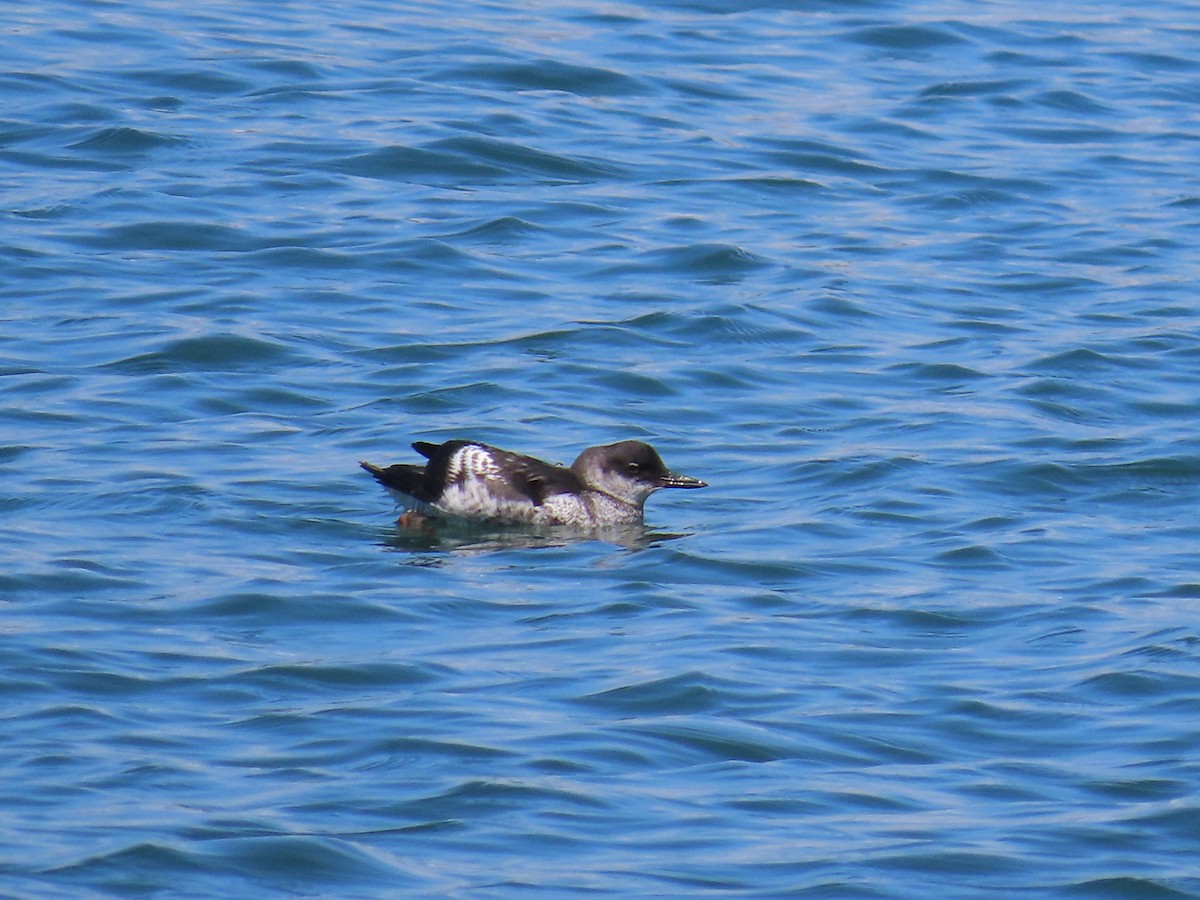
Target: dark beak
(673,479)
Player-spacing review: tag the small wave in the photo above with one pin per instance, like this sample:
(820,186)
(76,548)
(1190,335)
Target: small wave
(1161,470)
(1121,887)
(1063,134)
(1083,359)
(816,156)
(389,676)
(148,856)
(547,75)
(676,695)
(1073,101)
(472,799)
(515,157)
(198,237)
(297,862)
(1133,477)
(504,229)
(401,163)
(1000,88)
(713,263)
(906,37)
(123,140)
(214,353)
(198,82)
(949,374)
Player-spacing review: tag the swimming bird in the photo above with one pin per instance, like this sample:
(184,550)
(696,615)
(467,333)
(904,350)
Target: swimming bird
(469,480)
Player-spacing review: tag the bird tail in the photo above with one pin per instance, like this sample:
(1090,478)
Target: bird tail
(406,479)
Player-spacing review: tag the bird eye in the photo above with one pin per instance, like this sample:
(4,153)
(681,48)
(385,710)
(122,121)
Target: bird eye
(634,467)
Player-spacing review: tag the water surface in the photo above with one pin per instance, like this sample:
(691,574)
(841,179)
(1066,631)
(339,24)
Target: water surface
(911,286)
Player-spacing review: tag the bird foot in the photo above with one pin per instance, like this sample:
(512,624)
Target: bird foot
(414,519)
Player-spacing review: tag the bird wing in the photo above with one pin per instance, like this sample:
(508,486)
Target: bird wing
(509,476)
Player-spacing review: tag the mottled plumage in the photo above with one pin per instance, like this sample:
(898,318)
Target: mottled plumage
(605,486)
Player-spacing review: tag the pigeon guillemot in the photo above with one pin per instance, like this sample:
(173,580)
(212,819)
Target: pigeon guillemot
(605,486)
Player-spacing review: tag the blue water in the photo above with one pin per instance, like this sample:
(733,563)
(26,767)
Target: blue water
(913,286)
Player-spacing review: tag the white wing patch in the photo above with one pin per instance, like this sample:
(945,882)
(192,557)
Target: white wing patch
(470,474)
(471,461)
